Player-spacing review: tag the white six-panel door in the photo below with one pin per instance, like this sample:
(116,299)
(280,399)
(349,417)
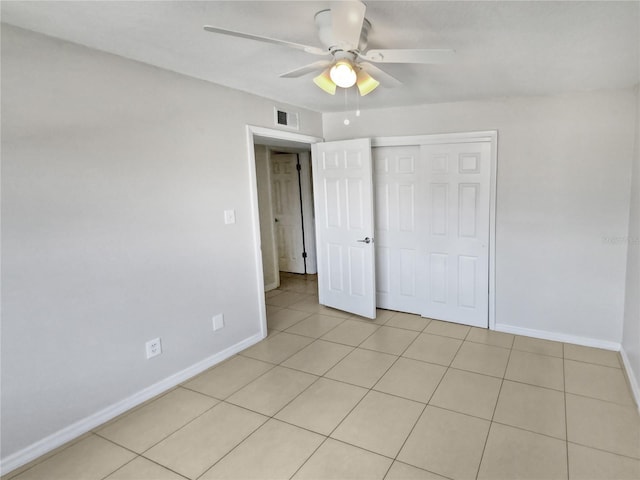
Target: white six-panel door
(343,197)
(457,244)
(400,213)
(287,213)
(432,230)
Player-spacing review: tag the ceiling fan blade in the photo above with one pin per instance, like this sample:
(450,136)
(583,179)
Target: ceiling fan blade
(409,55)
(347,18)
(299,72)
(298,46)
(385,79)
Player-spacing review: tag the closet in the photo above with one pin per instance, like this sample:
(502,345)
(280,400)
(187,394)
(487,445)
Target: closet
(431,204)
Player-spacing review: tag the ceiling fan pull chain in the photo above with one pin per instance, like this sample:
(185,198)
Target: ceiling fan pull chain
(346,108)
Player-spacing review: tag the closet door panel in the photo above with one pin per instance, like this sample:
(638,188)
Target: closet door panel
(400,262)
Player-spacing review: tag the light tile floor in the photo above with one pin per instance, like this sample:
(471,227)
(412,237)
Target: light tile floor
(328,395)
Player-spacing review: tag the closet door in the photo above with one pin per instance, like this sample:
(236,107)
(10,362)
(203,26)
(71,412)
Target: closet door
(400,228)
(457,242)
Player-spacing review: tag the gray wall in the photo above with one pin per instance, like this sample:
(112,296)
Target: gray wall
(631,333)
(562,191)
(115,176)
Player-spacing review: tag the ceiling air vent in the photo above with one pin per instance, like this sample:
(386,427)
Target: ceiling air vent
(286,119)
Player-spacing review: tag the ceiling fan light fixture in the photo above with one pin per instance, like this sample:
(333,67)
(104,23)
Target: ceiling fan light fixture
(366,83)
(325,82)
(343,74)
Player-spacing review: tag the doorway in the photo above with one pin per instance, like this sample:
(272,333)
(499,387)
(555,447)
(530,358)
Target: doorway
(265,253)
(285,203)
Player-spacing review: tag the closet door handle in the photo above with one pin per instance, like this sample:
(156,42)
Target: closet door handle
(366,240)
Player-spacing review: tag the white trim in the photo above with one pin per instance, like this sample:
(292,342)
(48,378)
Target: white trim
(631,376)
(493,208)
(490,136)
(255,213)
(308,209)
(462,137)
(558,337)
(271,286)
(87,424)
(274,244)
(257,242)
(282,135)
(585,341)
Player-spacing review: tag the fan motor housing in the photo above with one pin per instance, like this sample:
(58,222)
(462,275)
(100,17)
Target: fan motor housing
(325,31)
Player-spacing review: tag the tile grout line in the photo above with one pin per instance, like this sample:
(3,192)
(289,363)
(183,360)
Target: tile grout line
(37,461)
(149,460)
(342,320)
(220,401)
(136,455)
(495,407)
(369,390)
(238,444)
(309,457)
(622,455)
(272,417)
(428,400)
(566,422)
(293,324)
(269,417)
(372,388)
(174,431)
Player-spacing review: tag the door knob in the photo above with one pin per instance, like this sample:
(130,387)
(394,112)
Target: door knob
(366,240)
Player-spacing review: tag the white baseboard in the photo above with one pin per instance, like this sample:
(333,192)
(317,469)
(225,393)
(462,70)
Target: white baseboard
(558,337)
(87,424)
(271,286)
(634,382)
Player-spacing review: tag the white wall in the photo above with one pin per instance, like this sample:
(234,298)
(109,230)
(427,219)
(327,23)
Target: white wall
(631,332)
(115,176)
(267,233)
(562,190)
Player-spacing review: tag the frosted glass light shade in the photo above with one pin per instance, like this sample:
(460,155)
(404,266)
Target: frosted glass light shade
(366,83)
(325,83)
(342,74)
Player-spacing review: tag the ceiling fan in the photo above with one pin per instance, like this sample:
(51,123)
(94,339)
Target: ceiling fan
(343,32)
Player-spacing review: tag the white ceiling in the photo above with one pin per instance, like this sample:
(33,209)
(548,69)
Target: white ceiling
(503,48)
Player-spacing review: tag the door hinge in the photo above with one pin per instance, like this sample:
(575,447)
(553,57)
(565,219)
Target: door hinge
(298,167)
(304,254)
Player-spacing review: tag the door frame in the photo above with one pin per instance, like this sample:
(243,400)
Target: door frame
(251,132)
(490,136)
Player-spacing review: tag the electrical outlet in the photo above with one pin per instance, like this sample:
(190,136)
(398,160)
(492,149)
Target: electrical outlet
(218,322)
(153,347)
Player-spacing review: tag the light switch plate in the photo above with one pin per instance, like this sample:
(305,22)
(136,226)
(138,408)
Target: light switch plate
(229,216)
(218,322)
